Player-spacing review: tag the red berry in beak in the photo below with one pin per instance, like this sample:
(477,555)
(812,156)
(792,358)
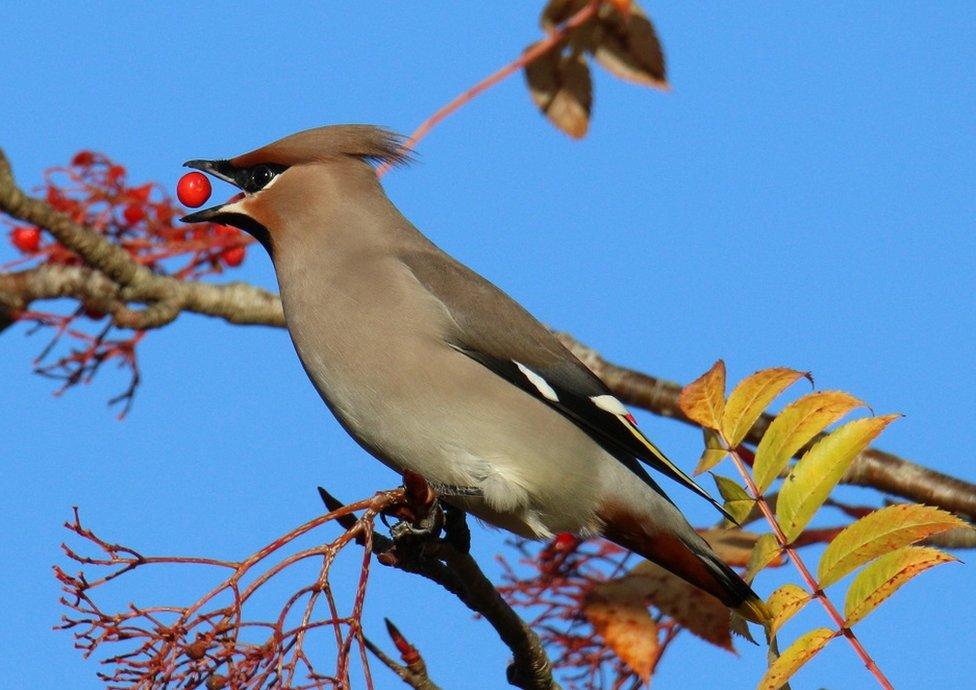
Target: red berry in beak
(193,189)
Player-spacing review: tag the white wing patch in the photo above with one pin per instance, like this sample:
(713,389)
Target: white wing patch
(541,385)
(610,404)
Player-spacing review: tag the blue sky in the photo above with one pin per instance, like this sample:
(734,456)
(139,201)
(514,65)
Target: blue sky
(804,197)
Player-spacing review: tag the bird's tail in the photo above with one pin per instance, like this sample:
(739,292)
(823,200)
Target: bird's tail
(692,559)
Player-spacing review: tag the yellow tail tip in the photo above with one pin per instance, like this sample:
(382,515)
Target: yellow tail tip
(754,610)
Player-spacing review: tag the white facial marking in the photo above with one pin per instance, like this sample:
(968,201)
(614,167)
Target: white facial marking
(540,383)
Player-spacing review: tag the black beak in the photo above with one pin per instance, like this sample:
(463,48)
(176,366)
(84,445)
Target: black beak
(222,170)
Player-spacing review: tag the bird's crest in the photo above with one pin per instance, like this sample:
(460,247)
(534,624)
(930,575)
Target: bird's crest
(321,144)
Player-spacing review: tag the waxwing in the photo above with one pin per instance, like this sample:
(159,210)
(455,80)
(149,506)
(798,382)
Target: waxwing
(433,369)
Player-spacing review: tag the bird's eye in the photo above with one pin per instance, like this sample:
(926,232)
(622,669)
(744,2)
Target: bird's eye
(260,176)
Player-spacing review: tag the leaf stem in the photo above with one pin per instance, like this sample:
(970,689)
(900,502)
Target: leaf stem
(805,573)
(535,51)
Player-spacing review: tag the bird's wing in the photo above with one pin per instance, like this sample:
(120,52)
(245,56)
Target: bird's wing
(491,328)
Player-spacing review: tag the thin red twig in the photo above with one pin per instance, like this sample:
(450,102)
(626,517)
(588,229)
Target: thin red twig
(534,52)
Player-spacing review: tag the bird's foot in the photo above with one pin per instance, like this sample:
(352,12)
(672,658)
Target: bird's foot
(428,526)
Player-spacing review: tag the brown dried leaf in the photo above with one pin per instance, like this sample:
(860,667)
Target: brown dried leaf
(734,546)
(701,613)
(703,400)
(562,89)
(558,11)
(628,47)
(618,612)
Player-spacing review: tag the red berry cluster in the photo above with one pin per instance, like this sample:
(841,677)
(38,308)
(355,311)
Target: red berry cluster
(94,191)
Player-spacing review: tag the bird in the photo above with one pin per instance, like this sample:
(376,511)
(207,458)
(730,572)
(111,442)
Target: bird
(434,370)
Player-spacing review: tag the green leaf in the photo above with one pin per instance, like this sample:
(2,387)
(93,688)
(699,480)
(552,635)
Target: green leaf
(878,533)
(783,603)
(703,400)
(882,578)
(713,454)
(794,427)
(767,550)
(737,502)
(753,394)
(813,478)
(789,662)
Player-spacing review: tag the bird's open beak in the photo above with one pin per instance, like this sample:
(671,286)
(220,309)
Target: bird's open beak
(222,170)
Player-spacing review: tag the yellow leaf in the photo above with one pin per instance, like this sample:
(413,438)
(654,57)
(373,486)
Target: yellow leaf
(766,551)
(737,501)
(619,615)
(703,400)
(751,397)
(789,662)
(793,428)
(734,546)
(713,453)
(699,612)
(813,478)
(882,578)
(878,533)
(783,603)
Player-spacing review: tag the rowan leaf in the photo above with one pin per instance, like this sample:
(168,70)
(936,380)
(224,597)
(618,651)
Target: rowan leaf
(753,395)
(738,503)
(628,47)
(713,454)
(783,603)
(813,478)
(794,427)
(558,11)
(878,533)
(703,400)
(562,88)
(883,577)
(696,610)
(766,550)
(789,662)
(618,612)
(733,546)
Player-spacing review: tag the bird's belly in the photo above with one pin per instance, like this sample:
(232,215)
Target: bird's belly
(454,422)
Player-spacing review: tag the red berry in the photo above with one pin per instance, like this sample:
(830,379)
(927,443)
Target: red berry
(26,238)
(83,159)
(226,231)
(115,174)
(193,189)
(565,541)
(233,256)
(133,213)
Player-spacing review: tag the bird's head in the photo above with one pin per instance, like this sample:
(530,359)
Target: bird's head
(282,178)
